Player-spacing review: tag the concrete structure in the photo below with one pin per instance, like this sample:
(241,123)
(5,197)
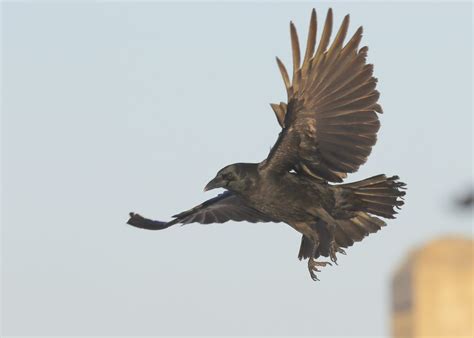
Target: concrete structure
(433,291)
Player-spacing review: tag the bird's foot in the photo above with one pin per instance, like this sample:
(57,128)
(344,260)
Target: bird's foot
(313,267)
(333,249)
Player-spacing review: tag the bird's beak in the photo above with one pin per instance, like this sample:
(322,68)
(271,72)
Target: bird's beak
(216,182)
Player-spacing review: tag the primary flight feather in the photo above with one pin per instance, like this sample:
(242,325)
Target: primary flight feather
(329,126)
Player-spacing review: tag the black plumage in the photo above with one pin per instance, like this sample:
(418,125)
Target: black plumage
(329,126)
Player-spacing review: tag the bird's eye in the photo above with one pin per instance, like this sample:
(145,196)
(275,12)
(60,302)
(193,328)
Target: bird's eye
(228,176)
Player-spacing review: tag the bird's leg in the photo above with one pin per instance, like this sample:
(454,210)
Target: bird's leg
(333,246)
(312,264)
(331,228)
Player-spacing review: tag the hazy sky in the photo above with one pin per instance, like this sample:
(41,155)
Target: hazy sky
(116,107)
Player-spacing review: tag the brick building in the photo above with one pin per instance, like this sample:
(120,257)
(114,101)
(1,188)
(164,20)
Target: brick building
(433,291)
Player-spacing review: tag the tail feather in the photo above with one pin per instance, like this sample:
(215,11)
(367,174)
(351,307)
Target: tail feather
(347,232)
(376,196)
(379,195)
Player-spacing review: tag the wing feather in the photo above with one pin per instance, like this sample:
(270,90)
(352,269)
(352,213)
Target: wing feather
(284,75)
(311,43)
(295,47)
(330,122)
(220,209)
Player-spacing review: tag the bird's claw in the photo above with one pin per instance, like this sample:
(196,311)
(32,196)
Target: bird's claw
(313,268)
(313,276)
(333,249)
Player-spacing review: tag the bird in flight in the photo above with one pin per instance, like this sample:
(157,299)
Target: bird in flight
(329,125)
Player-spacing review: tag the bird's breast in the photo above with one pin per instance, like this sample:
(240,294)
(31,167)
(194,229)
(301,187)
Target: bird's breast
(285,199)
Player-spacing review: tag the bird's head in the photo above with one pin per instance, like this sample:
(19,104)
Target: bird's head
(235,177)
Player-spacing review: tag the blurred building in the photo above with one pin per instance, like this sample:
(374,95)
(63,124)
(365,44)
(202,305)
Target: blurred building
(433,291)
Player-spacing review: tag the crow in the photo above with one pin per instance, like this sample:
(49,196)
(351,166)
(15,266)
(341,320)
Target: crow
(329,125)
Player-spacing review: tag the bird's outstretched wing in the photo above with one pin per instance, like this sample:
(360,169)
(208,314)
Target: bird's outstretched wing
(222,208)
(330,123)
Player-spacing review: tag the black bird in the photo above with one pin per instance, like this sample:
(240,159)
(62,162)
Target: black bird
(466,201)
(329,126)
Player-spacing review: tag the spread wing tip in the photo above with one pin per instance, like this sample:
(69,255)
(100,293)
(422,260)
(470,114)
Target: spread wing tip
(141,222)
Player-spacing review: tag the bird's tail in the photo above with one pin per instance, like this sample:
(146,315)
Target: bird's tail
(378,195)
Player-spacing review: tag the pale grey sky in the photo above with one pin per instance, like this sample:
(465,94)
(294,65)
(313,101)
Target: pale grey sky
(116,107)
